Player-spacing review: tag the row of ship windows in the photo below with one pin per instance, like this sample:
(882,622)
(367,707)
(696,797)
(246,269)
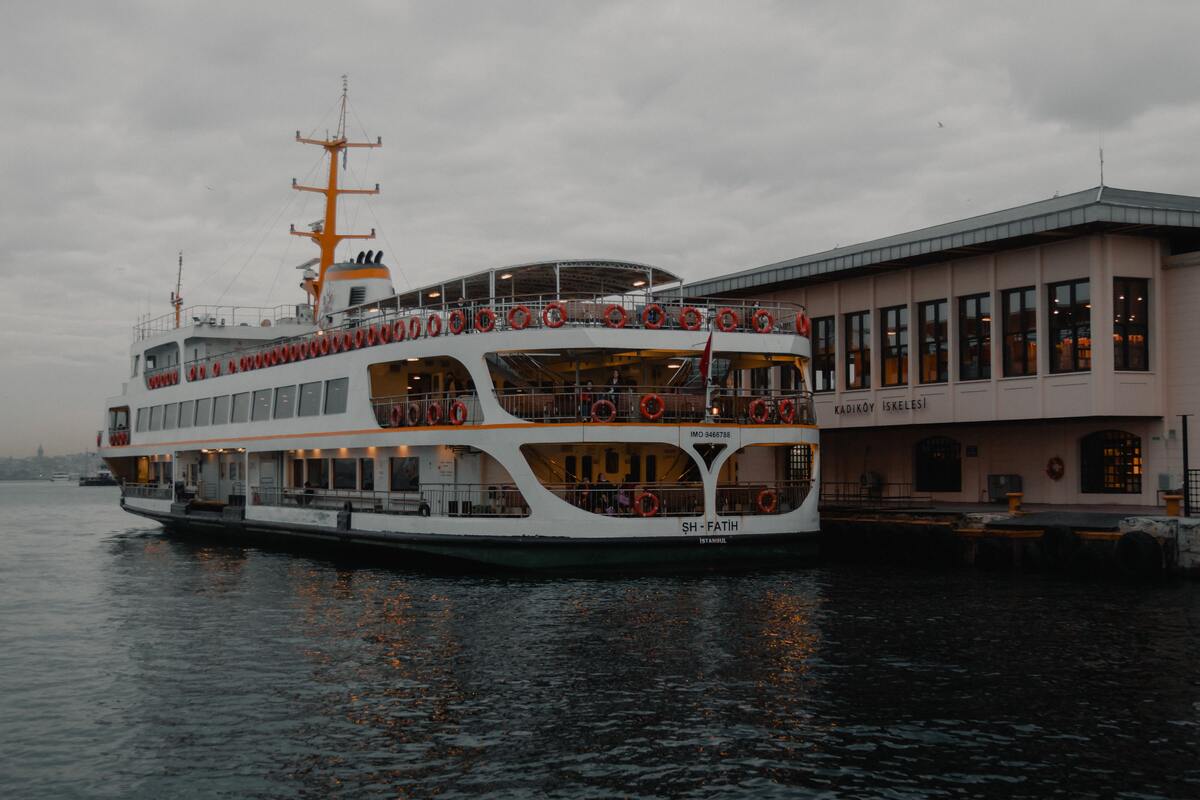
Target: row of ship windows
(282,402)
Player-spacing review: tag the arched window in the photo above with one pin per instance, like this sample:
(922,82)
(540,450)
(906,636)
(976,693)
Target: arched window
(1111,463)
(938,466)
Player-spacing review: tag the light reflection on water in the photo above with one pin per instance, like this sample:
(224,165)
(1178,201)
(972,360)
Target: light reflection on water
(137,665)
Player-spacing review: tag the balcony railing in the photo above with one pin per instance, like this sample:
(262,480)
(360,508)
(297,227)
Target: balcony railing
(634,311)
(148,490)
(438,500)
(633,499)
(762,497)
(215,316)
(666,404)
(433,408)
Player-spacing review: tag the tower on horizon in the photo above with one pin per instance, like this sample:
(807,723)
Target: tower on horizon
(41,452)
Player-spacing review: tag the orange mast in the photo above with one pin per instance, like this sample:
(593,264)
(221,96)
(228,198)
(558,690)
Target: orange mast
(325,233)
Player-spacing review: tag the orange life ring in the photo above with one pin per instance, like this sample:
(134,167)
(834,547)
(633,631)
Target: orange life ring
(758,410)
(657,321)
(413,414)
(243,361)
(768,501)
(485,320)
(762,320)
(216,370)
(257,360)
(385,333)
(615,316)
(399,329)
(297,353)
(554,322)
(203,372)
(326,345)
(727,320)
(360,338)
(271,358)
(659,406)
(434,326)
(457,322)
(347,341)
(458,412)
(232,368)
(787,411)
(803,325)
(192,373)
(522,321)
(690,318)
(1055,469)
(644,508)
(397,415)
(609,409)
(433,414)
(414,327)
(372,336)
(314,348)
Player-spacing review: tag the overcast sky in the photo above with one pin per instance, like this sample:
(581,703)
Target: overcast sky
(704,137)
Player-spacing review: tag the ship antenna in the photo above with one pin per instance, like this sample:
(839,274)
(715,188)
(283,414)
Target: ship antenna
(177,295)
(326,236)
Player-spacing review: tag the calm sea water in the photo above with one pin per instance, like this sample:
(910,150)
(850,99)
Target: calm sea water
(137,665)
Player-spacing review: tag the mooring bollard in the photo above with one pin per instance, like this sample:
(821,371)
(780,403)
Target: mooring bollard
(1173,504)
(1014,502)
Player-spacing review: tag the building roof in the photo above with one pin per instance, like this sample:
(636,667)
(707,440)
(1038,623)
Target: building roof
(1066,216)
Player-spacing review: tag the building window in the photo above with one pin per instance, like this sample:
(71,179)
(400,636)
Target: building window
(405,474)
(1111,463)
(893,338)
(799,463)
(1020,332)
(1131,324)
(1070,327)
(823,357)
(858,350)
(345,473)
(933,319)
(285,402)
(975,337)
(938,466)
(335,395)
(262,405)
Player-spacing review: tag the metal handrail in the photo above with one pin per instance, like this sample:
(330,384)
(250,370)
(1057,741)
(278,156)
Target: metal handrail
(614,499)
(435,499)
(762,497)
(427,408)
(679,404)
(219,316)
(147,490)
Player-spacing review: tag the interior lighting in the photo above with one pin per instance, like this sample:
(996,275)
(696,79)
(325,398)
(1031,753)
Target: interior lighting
(412,359)
(435,294)
(639,283)
(673,366)
(716,410)
(506,276)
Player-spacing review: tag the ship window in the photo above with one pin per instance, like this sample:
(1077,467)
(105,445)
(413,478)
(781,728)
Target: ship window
(612,461)
(156,418)
(262,405)
(316,470)
(405,474)
(1111,463)
(799,464)
(221,410)
(651,468)
(142,418)
(241,407)
(587,468)
(310,399)
(366,467)
(635,468)
(203,411)
(285,402)
(569,469)
(335,395)
(297,473)
(358,295)
(938,466)
(187,412)
(344,473)
(170,416)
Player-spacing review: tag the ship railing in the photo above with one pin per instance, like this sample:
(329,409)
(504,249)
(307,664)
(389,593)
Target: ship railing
(438,500)
(666,404)
(148,490)
(762,497)
(216,317)
(627,310)
(870,493)
(425,409)
(633,499)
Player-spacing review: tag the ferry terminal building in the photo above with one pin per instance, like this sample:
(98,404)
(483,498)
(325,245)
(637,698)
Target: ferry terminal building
(1048,348)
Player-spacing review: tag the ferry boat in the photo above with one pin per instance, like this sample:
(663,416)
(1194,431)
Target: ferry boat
(564,413)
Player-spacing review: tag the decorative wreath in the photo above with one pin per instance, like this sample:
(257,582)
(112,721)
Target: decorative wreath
(1055,468)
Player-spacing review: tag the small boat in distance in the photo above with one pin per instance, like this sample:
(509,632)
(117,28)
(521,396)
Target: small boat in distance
(570,413)
(61,476)
(103,477)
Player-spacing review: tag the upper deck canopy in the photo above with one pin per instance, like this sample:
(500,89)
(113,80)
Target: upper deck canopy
(587,277)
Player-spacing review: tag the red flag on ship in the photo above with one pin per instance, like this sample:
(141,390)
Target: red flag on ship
(706,360)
